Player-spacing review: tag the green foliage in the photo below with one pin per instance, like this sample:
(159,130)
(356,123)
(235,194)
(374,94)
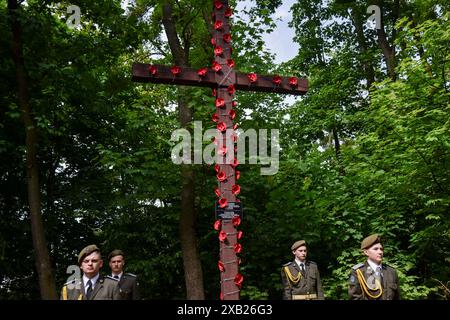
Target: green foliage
(104,149)
(253,293)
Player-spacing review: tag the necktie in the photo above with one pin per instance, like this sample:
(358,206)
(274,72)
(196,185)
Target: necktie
(378,273)
(302,269)
(89,290)
(116,277)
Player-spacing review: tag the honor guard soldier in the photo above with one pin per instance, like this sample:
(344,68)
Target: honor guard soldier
(91,286)
(373,280)
(128,284)
(300,278)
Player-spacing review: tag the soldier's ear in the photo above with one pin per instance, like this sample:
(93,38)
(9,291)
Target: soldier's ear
(365,252)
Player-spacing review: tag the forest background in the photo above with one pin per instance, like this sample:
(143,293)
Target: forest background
(85,152)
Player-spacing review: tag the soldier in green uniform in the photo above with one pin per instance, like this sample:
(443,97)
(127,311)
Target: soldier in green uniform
(128,284)
(91,286)
(373,280)
(301,278)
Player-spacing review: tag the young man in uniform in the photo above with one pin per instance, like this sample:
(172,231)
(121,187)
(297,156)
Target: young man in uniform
(373,280)
(128,284)
(301,278)
(91,286)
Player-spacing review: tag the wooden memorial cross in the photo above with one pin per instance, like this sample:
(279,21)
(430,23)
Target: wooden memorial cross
(224,81)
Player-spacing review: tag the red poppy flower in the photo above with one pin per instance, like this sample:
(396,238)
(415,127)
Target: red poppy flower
(238,248)
(230,63)
(217,192)
(217,168)
(216,66)
(217,224)
(276,80)
(222,236)
(232,114)
(238,174)
(218,25)
(220,103)
(223,202)
(221,176)
(238,279)
(239,235)
(214,92)
(213,41)
(236,189)
(252,77)
(221,126)
(227,37)
(221,266)
(235,126)
(218,4)
(176,70)
(218,51)
(153,70)
(202,72)
(231,89)
(215,118)
(235,163)
(293,81)
(236,221)
(222,151)
(228,12)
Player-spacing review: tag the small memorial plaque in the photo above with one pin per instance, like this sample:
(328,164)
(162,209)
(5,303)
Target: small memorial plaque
(231,210)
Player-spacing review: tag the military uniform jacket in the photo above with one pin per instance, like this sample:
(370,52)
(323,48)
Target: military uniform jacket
(129,287)
(309,284)
(106,288)
(389,282)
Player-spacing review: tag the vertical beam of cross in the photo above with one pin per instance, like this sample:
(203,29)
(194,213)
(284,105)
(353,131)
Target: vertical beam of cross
(225,84)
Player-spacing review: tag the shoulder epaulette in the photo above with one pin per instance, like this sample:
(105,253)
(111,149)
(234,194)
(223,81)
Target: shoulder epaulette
(286,264)
(131,275)
(357,266)
(109,277)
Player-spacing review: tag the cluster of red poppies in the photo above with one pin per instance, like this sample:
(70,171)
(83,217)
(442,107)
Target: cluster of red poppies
(221,126)
(223,237)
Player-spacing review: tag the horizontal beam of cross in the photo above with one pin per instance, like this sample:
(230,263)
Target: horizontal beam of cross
(189,77)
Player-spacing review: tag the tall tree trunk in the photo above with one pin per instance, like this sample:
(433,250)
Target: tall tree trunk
(42,258)
(191,259)
(386,48)
(362,44)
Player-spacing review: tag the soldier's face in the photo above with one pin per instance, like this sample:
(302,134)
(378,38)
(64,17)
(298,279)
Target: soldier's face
(375,253)
(300,253)
(91,264)
(116,264)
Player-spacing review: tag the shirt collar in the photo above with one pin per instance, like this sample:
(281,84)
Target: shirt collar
(299,263)
(373,265)
(120,275)
(93,280)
